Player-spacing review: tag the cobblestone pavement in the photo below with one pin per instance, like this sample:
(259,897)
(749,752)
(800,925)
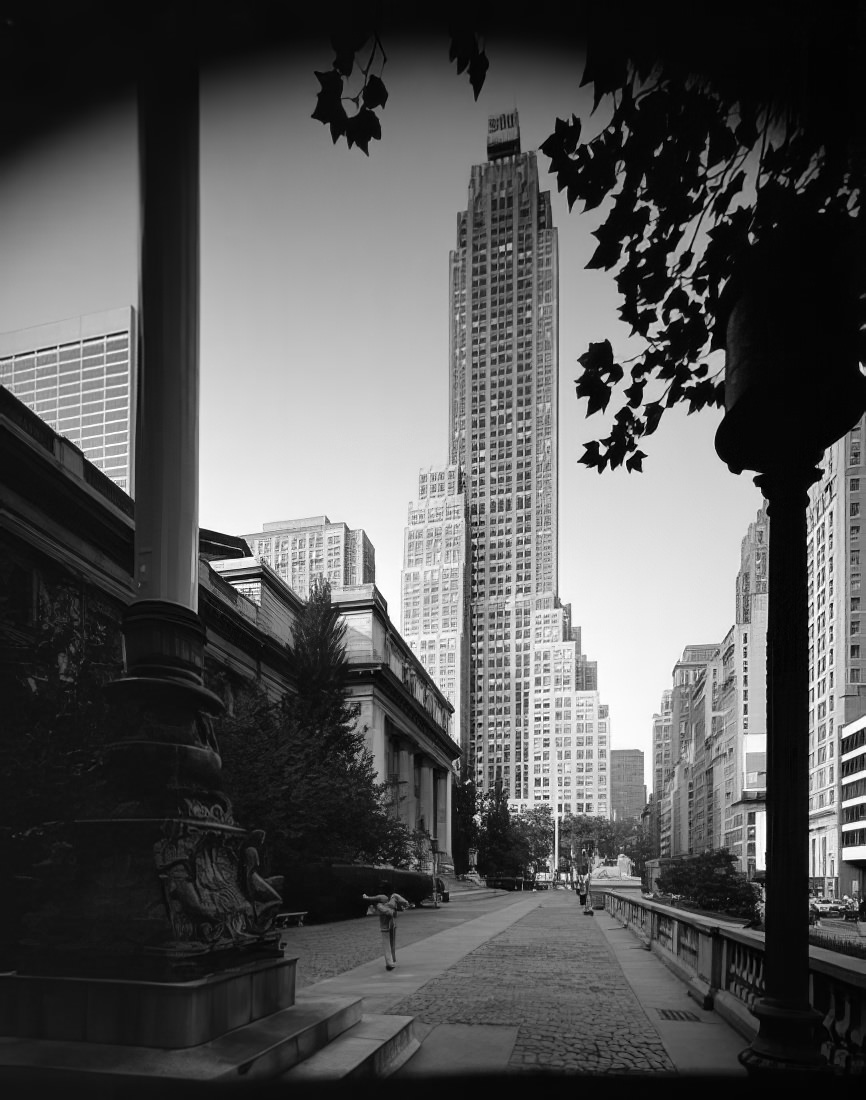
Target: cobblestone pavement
(325,950)
(552,976)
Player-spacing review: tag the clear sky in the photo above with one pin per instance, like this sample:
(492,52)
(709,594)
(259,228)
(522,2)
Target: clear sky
(324,335)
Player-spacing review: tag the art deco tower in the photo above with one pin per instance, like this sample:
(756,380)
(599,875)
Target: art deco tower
(503,435)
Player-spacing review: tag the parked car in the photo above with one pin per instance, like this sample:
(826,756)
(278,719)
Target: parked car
(830,907)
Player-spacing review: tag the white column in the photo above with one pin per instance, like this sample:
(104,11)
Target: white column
(166,450)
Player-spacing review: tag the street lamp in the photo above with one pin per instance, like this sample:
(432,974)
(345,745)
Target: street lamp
(792,388)
(434,854)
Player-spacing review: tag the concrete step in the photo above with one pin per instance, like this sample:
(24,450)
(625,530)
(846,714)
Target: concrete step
(261,1050)
(375,1047)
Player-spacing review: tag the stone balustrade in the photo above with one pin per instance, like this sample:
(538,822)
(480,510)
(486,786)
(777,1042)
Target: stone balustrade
(723,966)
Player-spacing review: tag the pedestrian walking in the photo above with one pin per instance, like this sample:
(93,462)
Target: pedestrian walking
(583,884)
(388,906)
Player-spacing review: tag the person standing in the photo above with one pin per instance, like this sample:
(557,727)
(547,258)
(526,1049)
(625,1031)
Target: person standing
(387,907)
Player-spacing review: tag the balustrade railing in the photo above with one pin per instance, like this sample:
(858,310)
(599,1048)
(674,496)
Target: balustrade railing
(723,967)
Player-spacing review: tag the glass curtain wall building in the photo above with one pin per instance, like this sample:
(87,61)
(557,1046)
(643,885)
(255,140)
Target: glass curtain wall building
(80,376)
(503,395)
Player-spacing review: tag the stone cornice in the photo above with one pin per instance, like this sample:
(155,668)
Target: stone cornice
(378,675)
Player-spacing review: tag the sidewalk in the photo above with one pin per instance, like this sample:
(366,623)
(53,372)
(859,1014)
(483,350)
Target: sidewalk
(538,986)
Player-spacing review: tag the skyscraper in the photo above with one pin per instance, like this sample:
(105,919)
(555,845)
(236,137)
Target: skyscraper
(304,550)
(627,787)
(837,653)
(80,376)
(435,597)
(503,385)
(535,723)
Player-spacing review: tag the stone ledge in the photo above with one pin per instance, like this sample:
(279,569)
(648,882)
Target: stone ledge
(170,1015)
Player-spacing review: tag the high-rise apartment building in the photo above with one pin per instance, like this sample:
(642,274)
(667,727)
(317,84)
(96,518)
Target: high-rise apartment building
(710,743)
(836,549)
(503,387)
(435,586)
(663,758)
(569,725)
(627,787)
(302,551)
(80,376)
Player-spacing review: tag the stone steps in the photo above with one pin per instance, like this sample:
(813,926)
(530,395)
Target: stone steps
(262,1050)
(376,1046)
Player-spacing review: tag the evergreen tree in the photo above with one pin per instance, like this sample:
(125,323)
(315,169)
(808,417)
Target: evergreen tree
(501,848)
(300,769)
(464,824)
(320,706)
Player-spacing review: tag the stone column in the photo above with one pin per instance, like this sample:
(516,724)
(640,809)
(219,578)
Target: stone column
(443,803)
(425,809)
(407,784)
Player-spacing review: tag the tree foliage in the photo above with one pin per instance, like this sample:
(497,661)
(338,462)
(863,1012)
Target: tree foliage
(691,172)
(465,806)
(535,827)
(300,769)
(712,144)
(710,881)
(352,91)
(502,849)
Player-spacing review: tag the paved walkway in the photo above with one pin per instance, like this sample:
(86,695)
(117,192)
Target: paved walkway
(529,985)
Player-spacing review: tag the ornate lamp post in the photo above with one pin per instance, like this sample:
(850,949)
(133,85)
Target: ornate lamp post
(792,388)
(434,857)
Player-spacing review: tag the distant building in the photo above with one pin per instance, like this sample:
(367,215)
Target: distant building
(405,717)
(570,726)
(302,551)
(435,586)
(80,377)
(836,549)
(713,792)
(66,562)
(662,759)
(852,800)
(627,787)
(503,427)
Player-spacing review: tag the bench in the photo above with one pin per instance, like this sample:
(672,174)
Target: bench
(287,920)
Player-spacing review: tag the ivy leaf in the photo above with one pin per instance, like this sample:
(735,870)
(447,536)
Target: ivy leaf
(598,357)
(634,393)
(652,415)
(591,456)
(461,47)
(478,66)
(700,395)
(722,201)
(361,128)
(346,41)
(328,99)
(596,391)
(677,299)
(606,255)
(375,93)
(635,462)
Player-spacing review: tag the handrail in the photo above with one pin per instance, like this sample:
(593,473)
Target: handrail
(723,967)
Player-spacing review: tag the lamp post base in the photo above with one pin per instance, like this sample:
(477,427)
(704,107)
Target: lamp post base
(787,1041)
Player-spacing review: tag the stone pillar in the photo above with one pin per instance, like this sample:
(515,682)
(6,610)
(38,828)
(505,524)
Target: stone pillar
(443,806)
(425,808)
(407,784)
(160,882)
